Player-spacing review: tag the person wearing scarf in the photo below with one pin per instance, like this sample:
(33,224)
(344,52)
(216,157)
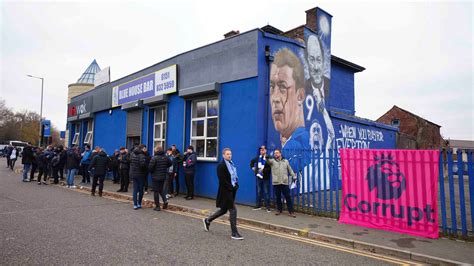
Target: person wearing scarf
(228,186)
(262,173)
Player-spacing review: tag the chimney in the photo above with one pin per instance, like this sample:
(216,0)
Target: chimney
(311,19)
(231,33)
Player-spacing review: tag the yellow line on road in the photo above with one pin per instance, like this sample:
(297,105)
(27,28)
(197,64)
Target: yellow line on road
(308,241)
(289,237)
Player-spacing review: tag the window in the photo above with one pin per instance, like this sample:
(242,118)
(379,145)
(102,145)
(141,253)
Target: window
(90,129)
(395,122)
(204,128)
(159,127)
(75,139)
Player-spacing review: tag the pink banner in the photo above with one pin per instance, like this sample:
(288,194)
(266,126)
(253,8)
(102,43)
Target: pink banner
(393,190)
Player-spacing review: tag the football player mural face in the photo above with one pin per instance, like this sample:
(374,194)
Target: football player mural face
(287,93)
(315,60)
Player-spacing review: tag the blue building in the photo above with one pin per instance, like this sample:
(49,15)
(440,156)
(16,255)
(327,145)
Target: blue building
(263,86)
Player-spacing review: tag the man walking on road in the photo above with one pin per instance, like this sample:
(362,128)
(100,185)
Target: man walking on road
(228,186)
(158,168)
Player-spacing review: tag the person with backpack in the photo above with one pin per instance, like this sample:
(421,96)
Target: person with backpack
(27,160)
(170,175)
(100,164)
(158,167)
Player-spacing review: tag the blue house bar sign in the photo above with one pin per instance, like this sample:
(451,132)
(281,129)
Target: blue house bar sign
(163,81)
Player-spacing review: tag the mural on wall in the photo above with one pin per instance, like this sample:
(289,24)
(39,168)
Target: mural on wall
(299,87)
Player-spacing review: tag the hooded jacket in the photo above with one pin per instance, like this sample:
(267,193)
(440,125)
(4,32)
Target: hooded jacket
(100,163)
(159,165)
(138,164)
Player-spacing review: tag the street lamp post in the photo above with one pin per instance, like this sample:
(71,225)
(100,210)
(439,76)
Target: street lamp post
(41,110)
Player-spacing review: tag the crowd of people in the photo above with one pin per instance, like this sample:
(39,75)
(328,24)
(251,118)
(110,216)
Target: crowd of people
(164,167)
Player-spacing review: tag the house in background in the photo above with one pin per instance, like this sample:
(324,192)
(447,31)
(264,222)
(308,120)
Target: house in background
(415,132)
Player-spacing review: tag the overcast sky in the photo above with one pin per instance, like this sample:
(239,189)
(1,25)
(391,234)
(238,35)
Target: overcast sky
(417,55)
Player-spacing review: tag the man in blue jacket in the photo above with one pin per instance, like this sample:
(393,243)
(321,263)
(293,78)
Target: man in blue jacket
(85,162)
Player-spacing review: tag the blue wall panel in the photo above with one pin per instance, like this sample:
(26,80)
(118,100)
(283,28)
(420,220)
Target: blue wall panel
(358,133)
(341,96)
(110,130)
(237,130)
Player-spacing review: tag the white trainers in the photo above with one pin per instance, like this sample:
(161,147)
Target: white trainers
(73,187)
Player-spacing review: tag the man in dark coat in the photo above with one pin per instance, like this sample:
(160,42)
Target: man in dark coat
(99,163)
(228,186)
(177,163)
(158,168)
(124,168)
(42,163)
(56,163)
(72,164)
(114,166)
(262,172)
(27,160)
(189,164)
(138,173)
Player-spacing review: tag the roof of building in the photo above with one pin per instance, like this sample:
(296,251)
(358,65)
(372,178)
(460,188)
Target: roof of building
(88,75)
(410,114)
(464,144)
(270,29)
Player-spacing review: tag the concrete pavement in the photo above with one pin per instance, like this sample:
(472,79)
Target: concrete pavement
(50,224)
(328,230)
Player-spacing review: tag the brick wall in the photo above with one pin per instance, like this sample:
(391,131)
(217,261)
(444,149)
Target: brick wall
(426,134)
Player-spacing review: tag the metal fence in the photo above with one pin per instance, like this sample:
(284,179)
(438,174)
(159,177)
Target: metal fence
(322,196)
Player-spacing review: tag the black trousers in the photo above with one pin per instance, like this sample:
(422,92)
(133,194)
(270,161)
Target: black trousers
(12,163)
(56,174)
(42,172)
(232,218)
(61,172)
(33,170)
(158,190)
(115,175)
(8,161)
(85,174)
(169,184)
(189,177)
(100,180)
(124,179)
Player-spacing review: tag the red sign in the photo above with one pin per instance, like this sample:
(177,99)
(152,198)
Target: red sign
(393,190)
(71,110)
